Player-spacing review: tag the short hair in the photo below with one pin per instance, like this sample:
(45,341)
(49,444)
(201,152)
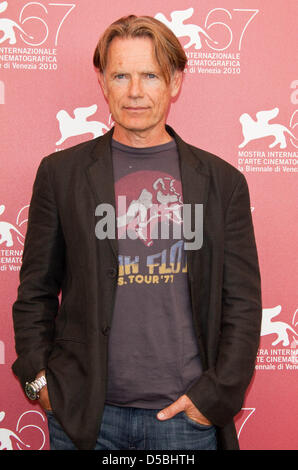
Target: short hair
(167,48)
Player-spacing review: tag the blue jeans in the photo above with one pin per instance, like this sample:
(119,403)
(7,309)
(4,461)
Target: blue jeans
(140,429)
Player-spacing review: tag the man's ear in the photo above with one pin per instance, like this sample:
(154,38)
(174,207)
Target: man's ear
(176,82)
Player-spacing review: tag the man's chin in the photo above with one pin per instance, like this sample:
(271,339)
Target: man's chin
(136,127)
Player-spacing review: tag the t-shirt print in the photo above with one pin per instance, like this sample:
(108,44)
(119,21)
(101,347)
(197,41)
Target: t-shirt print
(149,207)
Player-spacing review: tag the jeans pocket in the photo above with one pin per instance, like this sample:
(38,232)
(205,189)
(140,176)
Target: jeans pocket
(195,423)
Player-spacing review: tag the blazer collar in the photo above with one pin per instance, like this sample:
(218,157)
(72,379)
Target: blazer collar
(194,177)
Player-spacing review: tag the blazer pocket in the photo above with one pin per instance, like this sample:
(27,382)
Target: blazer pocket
(70,338)
(70,328)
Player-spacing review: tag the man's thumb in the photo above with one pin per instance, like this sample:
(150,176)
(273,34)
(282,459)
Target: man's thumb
(171,410)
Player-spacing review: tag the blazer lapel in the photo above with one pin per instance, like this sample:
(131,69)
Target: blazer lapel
(101,178)
(195,186)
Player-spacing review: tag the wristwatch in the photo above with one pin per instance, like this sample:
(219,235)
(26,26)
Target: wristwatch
(32,389)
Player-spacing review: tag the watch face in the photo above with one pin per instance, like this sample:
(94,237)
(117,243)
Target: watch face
(30,392)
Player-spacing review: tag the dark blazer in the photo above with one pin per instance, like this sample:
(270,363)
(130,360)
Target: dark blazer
(62,254)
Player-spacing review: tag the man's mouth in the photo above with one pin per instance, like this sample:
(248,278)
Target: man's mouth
(136,108)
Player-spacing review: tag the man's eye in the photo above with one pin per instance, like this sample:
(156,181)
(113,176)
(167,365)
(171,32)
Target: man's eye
(151,75)
(120,76)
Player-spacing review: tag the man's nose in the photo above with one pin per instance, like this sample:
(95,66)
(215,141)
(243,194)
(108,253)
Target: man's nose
(135,87)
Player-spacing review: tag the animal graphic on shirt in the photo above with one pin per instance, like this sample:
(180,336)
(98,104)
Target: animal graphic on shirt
(279,328)
(78,125)
(180,29)
(7,27)
(168,198)
(136,215)
(163,203)
(259,128)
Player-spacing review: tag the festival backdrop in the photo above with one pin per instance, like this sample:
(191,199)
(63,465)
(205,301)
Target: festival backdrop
(239,101)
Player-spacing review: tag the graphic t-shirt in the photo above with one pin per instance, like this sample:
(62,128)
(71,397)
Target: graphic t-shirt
(153,355)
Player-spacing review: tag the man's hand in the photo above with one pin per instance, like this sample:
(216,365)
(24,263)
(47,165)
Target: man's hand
(183,404)
(44,400)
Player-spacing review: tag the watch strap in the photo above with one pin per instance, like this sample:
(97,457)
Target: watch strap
(38,384)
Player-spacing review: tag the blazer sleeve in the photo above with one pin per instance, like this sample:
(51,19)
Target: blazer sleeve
(219,392)
(41,275)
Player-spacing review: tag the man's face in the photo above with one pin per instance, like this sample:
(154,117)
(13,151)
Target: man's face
(134,86)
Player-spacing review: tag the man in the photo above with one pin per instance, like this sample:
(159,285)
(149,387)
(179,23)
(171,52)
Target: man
(153,345)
